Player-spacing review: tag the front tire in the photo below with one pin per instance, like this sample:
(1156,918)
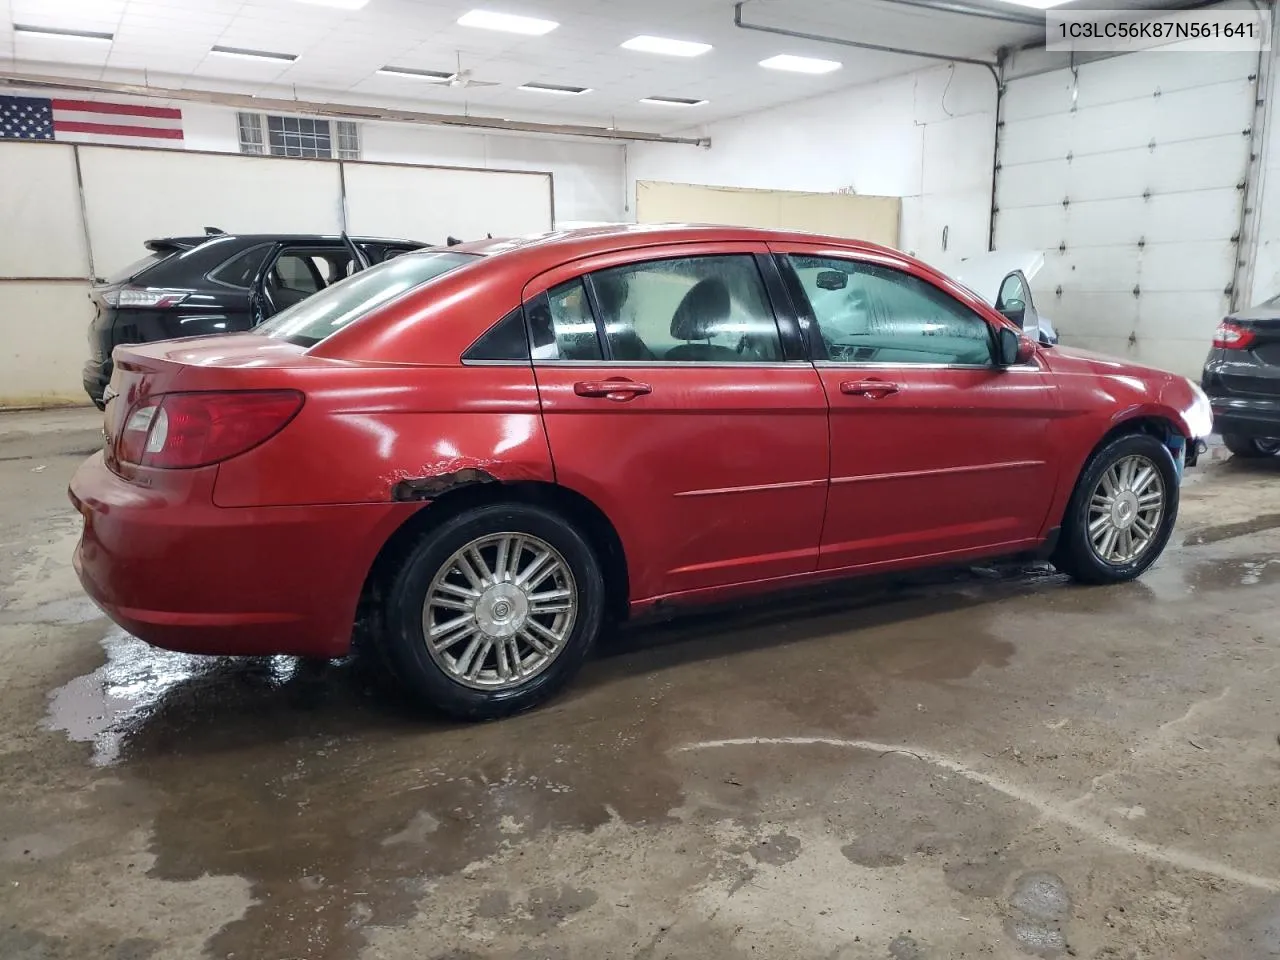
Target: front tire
(493,611)
(1121,512)
(1250,447)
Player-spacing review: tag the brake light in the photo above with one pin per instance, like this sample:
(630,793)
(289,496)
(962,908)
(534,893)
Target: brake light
(144,297)
(1232,336)
(182,430)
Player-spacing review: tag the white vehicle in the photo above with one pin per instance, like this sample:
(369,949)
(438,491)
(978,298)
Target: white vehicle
(1003,279)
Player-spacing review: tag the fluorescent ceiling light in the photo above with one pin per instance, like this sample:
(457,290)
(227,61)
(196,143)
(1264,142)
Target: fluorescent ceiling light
(344,4)
(244,54)
(674,48)
(507,22)
(672,101)
(553,88)
(785,61)
(57,33)
(431,76)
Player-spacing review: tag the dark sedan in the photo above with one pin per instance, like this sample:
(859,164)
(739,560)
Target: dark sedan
(1242,378)
(217,283)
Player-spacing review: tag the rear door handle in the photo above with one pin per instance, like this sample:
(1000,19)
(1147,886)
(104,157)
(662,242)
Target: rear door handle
(875,389)
(618,390)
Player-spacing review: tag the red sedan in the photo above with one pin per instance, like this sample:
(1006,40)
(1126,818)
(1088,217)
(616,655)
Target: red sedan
(498,447)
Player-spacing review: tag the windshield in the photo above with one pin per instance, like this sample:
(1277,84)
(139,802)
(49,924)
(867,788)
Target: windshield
(327,312)
(125,274)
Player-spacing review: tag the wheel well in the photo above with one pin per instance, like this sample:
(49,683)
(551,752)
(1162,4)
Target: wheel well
(1159,427)
(585,516)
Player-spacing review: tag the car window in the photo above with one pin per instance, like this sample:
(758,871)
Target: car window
(1012,290)
(138,266)
(562,326)
(297,272)
(505,340)
(319,316)
(691,309)
(867,313)
(240,270)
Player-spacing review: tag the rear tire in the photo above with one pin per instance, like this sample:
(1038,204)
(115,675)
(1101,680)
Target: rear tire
(514,599)
(1250,447)
(1111,531)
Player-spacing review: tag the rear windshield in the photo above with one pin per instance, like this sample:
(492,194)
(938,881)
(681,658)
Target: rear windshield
(138,266)
(328,311)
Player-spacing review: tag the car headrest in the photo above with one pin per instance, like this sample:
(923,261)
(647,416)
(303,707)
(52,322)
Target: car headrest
(704,308)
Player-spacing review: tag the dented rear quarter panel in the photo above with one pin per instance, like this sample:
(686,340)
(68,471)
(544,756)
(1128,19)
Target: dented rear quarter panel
(365,431)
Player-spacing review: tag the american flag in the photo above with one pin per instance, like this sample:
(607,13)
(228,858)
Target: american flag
(89,121)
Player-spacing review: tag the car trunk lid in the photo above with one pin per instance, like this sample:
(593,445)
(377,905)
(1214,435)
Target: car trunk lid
(223,362)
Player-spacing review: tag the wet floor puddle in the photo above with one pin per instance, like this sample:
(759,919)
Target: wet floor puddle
(342,804)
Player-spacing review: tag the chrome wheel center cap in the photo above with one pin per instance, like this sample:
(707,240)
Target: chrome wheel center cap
(501,610)
(1124,510)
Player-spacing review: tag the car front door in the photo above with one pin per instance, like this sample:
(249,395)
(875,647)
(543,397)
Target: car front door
(672,400)
(936,452)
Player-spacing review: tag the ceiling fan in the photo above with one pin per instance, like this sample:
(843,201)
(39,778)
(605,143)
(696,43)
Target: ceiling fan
(462,79)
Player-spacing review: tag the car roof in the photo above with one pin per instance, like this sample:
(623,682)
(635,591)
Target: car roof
(586,241)
(179,242)
(311,237)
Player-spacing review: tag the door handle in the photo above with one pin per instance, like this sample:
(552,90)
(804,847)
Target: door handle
(619,390)
(874,389)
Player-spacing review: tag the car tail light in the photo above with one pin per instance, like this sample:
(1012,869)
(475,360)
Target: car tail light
(1232,336)
(181,430)
(144,297)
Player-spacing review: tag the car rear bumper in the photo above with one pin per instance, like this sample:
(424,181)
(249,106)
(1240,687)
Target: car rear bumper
(95,375)
(183,574)
(1247,417)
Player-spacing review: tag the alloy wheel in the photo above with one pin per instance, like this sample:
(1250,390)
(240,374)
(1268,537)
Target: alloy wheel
(499,611)
(1125,510)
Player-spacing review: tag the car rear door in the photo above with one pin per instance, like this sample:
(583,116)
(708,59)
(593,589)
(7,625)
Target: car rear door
(295,271)
(672,400)
(935,451)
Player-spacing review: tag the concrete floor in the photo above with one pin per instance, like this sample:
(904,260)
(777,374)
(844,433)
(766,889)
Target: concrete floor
(982,764)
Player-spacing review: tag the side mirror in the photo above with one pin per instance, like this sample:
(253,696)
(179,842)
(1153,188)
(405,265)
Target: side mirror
(832,280)
(1016,311)
(1014,348)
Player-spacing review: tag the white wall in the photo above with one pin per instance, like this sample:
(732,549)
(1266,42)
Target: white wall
(588,177)
(925,136)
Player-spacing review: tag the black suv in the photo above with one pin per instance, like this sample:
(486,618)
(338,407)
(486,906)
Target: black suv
(1242,378)
(189,286)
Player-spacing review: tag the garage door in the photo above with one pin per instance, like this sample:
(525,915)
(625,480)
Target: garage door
(1129,173)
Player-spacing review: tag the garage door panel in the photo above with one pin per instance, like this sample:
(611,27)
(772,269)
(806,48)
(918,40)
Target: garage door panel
(1110,346)
(1081,313)
(1189,316)
(1178,355)
(1045,95)
(1039,138)
(1221,109)
(1186,217)
(1170,267)
(1224,110)
(1115,79)
(1171,167)
(1148,317)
